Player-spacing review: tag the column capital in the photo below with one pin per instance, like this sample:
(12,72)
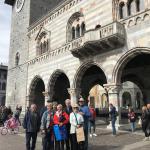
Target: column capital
(112,88)
(74,94)
(74,90)
(46,95)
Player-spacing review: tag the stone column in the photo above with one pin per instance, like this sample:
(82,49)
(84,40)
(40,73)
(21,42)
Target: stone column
(74,94)
(27,101)
(46,95)
(113,97)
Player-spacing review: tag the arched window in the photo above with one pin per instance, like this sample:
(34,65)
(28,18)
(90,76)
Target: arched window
(132,7)
(98,26)
(137,5)
(82,28)
(122,10)
(41,48)
(44,46)
(78,31)
(42,43)
(126,99)
(4,86)
(17,58)
(73,33)
(76,26)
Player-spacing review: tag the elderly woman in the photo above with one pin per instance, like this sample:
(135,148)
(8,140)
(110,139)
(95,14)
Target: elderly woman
(76,121)
(61,118)
(47,128)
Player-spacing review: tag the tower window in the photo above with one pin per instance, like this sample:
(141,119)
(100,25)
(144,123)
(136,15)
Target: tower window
(17,58)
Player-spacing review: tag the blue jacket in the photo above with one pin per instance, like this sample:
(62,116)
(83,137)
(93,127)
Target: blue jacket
(86,116)
(47,119)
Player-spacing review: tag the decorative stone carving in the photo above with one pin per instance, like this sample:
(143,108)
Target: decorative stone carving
(74,94)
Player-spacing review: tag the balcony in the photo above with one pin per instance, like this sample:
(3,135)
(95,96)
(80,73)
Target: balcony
(98,41)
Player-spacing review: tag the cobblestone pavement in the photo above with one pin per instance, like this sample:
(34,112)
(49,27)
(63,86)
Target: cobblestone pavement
(104,141)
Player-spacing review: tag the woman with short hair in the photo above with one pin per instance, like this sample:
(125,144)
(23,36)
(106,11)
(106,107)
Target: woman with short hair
(61,118)
(76,121)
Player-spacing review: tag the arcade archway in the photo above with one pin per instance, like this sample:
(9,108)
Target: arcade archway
(134,66)
(58,87)
(88,76)
(36,96)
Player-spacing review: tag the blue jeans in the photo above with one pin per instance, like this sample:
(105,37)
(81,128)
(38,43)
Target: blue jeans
(132,126)
(92,124)
(113,121)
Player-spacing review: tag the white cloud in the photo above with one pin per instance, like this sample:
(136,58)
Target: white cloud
(5,23)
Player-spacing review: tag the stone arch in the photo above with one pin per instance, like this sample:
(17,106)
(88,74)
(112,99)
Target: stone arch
(129,66)
(57,77)
(90,70)
(36,96)
(81,70)
(125,58)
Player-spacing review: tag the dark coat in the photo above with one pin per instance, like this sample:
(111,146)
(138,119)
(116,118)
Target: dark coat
(27,122)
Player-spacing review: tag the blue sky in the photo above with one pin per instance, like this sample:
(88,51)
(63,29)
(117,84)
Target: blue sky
(5,23)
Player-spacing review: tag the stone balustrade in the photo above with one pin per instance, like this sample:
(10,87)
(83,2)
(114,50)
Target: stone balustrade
(109,37)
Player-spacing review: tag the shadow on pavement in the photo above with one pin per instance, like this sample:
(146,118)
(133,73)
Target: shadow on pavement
(103,147)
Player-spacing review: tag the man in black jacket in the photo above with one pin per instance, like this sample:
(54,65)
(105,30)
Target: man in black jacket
(68,110)
(31,124)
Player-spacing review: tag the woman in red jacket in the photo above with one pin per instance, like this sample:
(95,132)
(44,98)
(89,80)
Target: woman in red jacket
(60,118)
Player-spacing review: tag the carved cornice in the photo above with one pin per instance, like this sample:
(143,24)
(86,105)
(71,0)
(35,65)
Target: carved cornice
(136,19)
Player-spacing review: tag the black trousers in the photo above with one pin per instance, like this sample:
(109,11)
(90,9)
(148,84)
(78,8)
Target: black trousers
(145,128)
(59,145)
(31,136)
(75,144)
(68,141)
(47,142)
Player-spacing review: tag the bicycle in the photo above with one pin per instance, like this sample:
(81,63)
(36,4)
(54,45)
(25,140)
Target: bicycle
(7,129)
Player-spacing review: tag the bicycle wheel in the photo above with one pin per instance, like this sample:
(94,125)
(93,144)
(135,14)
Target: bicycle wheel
(4,131)
(16,130)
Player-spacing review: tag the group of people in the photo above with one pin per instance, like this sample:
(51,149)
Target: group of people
(7,115)
(144,120)
(5,112)
(69,119)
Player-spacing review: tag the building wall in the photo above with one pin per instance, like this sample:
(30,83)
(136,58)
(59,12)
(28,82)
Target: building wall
(3,82)
(59,57)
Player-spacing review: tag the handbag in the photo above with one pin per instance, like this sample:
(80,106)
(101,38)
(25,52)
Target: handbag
(140,122)
(79,132)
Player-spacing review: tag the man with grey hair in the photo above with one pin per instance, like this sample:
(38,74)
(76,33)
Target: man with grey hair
(31,124)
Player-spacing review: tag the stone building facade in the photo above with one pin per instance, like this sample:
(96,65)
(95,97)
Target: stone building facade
(3,81)
(75,45)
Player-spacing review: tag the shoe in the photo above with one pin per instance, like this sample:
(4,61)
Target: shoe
(146,139)
(94,134)
(114,135)
(90,135)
